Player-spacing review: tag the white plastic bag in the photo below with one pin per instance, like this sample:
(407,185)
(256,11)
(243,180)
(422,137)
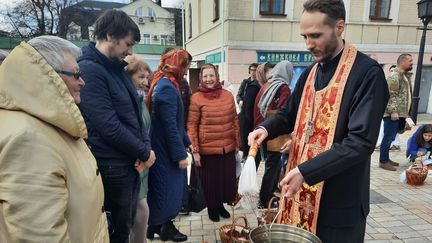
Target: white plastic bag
(402,177)
(248,183)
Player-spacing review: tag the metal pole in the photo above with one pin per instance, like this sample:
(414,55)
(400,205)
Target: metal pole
(183,26)
(416,98)
(222,8)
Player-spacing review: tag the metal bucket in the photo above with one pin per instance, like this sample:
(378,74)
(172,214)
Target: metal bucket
(282,233)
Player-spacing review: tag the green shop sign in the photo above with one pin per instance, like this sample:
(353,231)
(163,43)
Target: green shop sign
(213,58)
(297,58)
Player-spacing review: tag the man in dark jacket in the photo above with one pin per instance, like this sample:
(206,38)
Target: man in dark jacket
(244,84)
(110,106)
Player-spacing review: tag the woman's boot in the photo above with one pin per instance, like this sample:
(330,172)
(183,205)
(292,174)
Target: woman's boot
(170,232)
(152,229)
(223,212)
(213,214)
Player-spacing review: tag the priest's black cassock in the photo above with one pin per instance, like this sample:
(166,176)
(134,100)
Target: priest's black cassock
(345,167)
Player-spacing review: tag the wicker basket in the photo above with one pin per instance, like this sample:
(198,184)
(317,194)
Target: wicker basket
(267,216)
(416,174)
(235,233)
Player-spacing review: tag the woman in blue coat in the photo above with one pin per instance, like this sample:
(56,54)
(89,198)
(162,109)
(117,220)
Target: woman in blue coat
(169,141)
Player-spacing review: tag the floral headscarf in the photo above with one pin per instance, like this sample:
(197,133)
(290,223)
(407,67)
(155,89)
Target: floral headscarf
(173,65)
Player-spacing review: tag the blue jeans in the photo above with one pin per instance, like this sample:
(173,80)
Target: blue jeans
(121,187)
(390,131)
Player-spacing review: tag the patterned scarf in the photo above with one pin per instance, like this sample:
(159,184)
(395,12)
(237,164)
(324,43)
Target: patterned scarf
(173,65)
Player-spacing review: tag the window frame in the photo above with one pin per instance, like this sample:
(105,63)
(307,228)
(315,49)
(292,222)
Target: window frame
(148,38)
(377,10)
(164,40)
(270,13)
(216,10)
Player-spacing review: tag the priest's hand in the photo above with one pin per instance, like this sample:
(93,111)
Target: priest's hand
(291,183)
(258,136)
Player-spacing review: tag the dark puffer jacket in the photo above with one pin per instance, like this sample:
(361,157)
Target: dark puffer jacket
(110,107)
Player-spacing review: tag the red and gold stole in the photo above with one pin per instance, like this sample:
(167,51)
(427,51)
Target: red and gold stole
(313,134)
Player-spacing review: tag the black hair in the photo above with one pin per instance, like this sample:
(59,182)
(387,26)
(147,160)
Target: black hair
(117,24)
(425,129)
(334,9)
(392,66)
(267,66)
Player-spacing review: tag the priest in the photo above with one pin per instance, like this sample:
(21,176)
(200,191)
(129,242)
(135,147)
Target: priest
(334,116)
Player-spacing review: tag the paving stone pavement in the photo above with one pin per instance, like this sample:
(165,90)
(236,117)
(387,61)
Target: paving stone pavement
(398,212)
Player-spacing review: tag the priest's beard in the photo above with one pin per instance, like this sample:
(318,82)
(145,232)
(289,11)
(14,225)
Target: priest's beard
(330,49)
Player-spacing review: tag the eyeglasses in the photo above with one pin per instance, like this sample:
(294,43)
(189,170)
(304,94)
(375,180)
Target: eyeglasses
(252,69)
(76,75)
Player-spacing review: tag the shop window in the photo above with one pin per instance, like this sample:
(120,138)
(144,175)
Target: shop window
(379,9)
(272,7)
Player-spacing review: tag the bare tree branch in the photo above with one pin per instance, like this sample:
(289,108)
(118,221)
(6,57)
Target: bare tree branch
(31,18)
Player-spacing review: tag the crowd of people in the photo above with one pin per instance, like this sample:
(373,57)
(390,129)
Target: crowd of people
(105,140)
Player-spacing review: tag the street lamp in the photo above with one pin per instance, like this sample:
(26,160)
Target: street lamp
(425,14)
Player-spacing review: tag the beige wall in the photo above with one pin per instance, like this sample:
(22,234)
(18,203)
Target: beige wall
(356,11)
(408,12)
(240,8)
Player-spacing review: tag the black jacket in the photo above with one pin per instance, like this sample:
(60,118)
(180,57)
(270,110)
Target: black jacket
(110,107)
(345,167)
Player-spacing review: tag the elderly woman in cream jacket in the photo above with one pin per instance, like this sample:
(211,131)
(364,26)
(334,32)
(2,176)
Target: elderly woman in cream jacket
(50,187)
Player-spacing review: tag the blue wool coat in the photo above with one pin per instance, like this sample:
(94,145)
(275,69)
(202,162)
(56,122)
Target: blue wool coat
(169,141)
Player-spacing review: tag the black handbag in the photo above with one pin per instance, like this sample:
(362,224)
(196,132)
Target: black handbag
(402,125)
(196,197)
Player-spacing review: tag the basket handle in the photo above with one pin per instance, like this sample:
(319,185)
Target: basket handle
(234,223)
(271,202)
(420,161)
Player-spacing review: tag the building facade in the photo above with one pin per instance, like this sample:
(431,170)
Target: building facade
(247,31)
(156,24)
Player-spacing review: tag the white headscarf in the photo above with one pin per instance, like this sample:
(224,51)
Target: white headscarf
(281,74)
